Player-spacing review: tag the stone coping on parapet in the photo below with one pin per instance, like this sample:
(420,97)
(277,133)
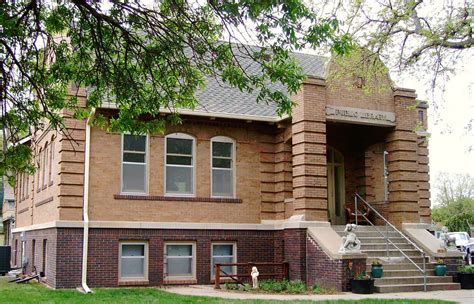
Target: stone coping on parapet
(420,235)
(264,225)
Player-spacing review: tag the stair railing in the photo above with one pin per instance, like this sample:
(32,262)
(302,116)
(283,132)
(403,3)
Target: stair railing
(358,198)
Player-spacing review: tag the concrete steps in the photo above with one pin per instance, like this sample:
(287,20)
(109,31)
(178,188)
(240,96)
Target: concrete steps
(401,266)
(391,252)
(411,280)
(416,287)
(372,240)
(399,275)
(382,246)
(402,272)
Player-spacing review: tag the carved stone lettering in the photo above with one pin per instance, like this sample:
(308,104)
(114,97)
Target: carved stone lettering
(360,116)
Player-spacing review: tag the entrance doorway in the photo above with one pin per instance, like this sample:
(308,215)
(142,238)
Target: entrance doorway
(336,191)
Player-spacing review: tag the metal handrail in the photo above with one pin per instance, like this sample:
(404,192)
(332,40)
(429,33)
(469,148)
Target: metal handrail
(387,238)
(385,220)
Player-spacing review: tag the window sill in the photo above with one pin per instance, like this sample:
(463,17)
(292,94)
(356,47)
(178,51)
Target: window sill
(134,283)
(178,199)
(179,281)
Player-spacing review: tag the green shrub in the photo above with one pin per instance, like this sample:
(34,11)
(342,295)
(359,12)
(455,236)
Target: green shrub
(316,289)
(466,269)
(297,287)
(273,285)
(230,286)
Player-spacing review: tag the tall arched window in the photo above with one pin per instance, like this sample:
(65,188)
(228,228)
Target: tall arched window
(222,167)
(179,164)
(52,166)
(44,181)
(40,168)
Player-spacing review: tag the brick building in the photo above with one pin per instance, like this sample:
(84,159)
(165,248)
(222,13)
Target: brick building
(234,182)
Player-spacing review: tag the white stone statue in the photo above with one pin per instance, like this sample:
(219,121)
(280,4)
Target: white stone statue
(350,242)
(254,275)
(449,241)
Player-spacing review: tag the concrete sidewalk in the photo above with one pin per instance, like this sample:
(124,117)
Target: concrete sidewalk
(460,296)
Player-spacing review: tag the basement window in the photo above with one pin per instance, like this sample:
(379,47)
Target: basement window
(224,253)
(180,261)
(133,261)
(134,164)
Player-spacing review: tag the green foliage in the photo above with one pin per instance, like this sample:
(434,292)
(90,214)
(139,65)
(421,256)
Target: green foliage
(316,289)
(362,276)
(274,285)
(147,60)
(376,262)
(456,215)
(455,202)
(466,269)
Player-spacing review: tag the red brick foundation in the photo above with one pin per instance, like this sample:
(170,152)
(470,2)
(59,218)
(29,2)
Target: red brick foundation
(307,262)
(65,252)
(330,273)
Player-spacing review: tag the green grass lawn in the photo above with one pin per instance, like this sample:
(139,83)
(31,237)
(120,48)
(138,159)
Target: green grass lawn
(37,293)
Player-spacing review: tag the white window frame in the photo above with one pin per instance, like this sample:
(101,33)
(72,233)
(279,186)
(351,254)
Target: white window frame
(147,143)
(224,139)
(193,263)
(234,252)
(193,164)
(145,263)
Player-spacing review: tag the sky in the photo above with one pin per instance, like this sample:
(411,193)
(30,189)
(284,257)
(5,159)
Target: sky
(451,145)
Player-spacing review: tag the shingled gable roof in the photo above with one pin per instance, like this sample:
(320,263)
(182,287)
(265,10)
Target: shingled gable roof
(221,100)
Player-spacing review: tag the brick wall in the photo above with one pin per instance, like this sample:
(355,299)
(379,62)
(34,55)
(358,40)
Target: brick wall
(254,169)
(48,260)
(64,265)
(330,273)
(295,252)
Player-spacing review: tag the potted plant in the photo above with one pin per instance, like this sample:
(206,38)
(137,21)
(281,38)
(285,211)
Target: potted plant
(362,283)
(377,269)
(466,276)
(440,268)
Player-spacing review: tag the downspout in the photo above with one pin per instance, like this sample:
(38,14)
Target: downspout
(85,208)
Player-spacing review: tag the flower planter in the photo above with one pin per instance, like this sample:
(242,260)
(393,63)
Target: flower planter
(362,286)
(466,280)
(440,270)
(377,271)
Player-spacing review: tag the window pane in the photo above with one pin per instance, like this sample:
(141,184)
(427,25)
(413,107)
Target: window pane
(222,183)
(179,146)
(179,250)
(221,163)
(179,160)
(221,149)
(219,250)
(133,178)
(133,250)
(133,267)
(134,143)
(179,180)
(179,266)
(134,157)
